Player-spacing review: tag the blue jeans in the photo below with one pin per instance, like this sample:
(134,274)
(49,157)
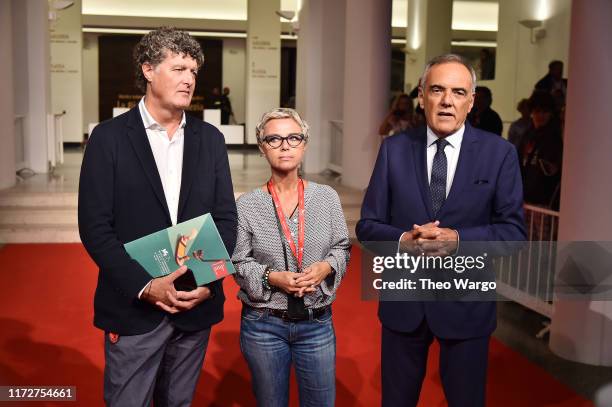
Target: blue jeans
(270,344)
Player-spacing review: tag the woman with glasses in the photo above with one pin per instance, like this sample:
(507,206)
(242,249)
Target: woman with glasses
(291,254)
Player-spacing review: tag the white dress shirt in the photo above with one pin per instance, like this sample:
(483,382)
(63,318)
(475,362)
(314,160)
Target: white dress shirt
(451,151)
(168,156)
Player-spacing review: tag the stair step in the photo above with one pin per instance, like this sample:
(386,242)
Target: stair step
(39,199)
(37,215)
(39,234)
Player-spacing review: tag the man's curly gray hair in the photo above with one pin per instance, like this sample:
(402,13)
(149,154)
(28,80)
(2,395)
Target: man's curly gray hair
(281,113)
(153,47)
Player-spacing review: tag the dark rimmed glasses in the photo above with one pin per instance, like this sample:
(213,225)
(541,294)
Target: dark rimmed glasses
(275,141)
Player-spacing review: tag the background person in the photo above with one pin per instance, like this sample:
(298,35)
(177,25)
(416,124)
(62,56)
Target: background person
(226,106)
(482,116)
(553,82)
(519,127)
(399,117)
(487,64)
(541,153)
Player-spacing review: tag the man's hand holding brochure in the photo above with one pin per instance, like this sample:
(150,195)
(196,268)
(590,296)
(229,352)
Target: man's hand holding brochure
(181,259)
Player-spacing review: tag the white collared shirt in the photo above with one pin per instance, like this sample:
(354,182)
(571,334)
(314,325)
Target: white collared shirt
(168,156)
(451,151)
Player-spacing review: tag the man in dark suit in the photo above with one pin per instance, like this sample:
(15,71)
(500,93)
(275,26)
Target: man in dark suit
(441,184)
(482,116)
(142,172)
(553,81)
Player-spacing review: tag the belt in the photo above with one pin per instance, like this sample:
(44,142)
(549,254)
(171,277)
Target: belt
(284,314)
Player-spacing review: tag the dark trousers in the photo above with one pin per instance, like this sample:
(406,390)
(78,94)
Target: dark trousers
(162,365)
(463,367)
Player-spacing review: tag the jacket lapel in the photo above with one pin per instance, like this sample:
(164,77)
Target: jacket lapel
(467,158)
(419,155)
(191,155)
(138,137)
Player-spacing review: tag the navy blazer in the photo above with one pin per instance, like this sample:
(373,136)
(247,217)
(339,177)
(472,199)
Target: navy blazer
(121,198)
(485,203)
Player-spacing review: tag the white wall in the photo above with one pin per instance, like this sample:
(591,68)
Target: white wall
(428,35)
(35,77)
(263,58)
(20,56)
(309,83)
(7,134)
(320,75)
(520,64)
(333,61)
(20,78)
(67,70)
(91,88)
(367,71)
(185,23)
(234,59)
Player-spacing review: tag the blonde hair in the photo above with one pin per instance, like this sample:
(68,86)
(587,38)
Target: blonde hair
(281,113)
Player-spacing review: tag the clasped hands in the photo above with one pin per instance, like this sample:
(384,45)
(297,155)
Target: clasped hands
(161,292)
(430,240)
(299,284)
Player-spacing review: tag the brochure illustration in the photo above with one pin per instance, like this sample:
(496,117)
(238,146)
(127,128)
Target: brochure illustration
(195,243)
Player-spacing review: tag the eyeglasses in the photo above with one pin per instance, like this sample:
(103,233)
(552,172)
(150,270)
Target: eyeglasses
(275,141)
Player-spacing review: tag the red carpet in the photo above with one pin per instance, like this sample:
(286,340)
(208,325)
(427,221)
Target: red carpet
(47,338)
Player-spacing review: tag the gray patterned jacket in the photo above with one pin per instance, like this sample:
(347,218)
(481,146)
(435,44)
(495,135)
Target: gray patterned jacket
(259,245)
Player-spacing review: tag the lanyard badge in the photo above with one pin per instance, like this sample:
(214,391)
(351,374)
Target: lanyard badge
(298,251)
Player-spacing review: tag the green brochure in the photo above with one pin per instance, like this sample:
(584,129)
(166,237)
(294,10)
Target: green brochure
(195,243)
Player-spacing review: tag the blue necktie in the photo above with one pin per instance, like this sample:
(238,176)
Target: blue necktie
(437,185)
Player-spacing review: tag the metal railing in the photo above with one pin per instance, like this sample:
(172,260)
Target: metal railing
(335,149)
(528,276)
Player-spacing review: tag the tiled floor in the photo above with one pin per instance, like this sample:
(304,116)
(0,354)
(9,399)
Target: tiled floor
(65,178)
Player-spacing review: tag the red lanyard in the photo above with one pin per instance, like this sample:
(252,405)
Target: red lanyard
(299,252)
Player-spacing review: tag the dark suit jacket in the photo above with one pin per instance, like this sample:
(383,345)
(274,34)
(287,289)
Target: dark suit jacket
(487,120)
(547,82)
(121,199)
(484,204)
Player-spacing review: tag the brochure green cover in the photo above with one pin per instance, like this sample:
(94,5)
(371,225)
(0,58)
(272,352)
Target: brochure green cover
(195,243)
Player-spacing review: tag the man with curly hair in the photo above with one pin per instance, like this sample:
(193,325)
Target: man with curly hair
(144,171)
